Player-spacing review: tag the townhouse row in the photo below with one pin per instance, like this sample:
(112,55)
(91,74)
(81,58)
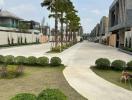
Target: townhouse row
(14,29)
(115,30)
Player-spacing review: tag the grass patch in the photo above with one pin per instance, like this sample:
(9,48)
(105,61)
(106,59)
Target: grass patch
(112,76)
(37,79)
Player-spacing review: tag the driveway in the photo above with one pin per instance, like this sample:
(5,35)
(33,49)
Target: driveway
(29,50)
(79,58)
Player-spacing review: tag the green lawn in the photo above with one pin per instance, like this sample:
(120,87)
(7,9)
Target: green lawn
(35,80)
(112,76)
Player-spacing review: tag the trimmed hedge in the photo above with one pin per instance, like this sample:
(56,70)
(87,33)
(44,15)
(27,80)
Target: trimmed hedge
(31,60)
(118,65)
(55,61)
(1,59)
(20,60)
(24,96)
(129,65)
(48,94)
(9,59)
(43,61)
(51,94)
(102,63)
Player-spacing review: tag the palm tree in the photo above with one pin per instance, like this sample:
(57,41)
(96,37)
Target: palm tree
(64,7)
(74,22)
(58,9)
(52,5)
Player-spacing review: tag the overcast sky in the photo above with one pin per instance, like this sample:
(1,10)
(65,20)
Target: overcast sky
(90,11)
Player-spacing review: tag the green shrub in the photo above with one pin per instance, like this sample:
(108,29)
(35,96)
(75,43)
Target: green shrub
(1,59)
(64,47)
(51,94)
(129,65)
(43,61)
(9,59)
(118,65)
(102,63)
(20,60)
(55,61)
(56,49)
(24,96)
(31,60)
(127,49)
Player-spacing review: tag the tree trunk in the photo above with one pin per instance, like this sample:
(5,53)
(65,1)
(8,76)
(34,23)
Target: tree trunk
(61,28)
(74,37)
(69,36)
(66,32)
(56,29)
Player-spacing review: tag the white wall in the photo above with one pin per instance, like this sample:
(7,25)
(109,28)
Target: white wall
(4,37)
(128,35)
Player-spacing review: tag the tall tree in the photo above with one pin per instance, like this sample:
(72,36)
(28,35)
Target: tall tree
(64,11)
(52,6)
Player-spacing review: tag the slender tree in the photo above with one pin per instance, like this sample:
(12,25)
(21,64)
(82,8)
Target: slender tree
(64,11)
(53,6)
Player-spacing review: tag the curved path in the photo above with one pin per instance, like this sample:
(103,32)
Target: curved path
(79,58)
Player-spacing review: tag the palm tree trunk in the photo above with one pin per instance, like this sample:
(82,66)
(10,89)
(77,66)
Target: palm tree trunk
(69,36)
(66,32)
(74,37)
(56,29)
(61,28)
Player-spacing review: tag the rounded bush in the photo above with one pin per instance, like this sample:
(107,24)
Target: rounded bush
(20,60)
(9,59)
(118,65)
(24,96)
(43,61)
(51,94)
(129,65)
(31,60)
(1,59)
(55,61)
(102,63)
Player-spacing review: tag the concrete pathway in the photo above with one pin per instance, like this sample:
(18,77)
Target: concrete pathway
(79,58)
(29,50)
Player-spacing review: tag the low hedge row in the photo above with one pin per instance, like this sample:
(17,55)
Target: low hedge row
(16,44)
(127,49)
(59,49)
(48,94)
(21,60)
(104,63)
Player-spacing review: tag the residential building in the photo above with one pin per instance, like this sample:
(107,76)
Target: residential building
(10,32)
(103,33)
(8,19)
(120,22)
(95,33)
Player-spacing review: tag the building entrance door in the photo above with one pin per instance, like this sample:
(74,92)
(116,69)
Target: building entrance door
(117,40)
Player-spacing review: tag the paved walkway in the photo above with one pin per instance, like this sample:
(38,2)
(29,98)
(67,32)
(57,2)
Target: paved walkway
(29,50)
(79,58)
